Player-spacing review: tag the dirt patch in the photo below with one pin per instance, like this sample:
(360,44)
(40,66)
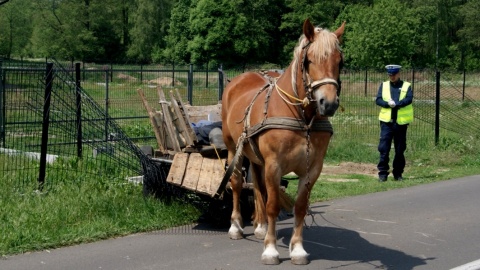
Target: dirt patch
(347,168)
(331,172)
(164,81)
(350,168)
(126,77)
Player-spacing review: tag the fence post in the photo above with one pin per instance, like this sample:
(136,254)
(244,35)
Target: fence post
(173,74)
(206,76)
(107,103)
(413,79)
(79,110)
(2,104)
(111,72)
(463,88)
(220,83)
(83,71)
(45,124)
(366,81)
(437,107)
(190,85)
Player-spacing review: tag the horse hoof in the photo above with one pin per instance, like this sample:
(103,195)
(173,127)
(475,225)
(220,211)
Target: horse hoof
(260,232)
(270,255)
(300,260)
(299,256)
(235,234)
(270,260)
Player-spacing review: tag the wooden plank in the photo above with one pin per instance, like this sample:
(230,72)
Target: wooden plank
(192,173)
(177,170)
(184,110)
(205,177)
(180,121)
(160,136)
(217,176)
(207,112)
(172,134)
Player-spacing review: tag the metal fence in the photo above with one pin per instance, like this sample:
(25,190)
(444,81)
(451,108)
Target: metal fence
(107,114)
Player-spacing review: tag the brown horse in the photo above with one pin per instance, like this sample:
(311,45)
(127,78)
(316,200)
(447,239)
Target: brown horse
(283,123)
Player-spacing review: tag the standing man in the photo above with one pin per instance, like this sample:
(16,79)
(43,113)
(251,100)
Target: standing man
(395,99)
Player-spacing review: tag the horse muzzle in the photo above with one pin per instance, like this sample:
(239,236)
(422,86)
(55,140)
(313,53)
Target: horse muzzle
(327,107)
(327,100)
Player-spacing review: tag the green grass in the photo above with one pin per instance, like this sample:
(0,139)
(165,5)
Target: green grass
(453,157)
(85,203)
(80,208)
(84,207)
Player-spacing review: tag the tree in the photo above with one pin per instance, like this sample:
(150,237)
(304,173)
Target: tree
(470,39)
(178,35)
(77,29)
(15,28)
(322,13)
(150,24)
(382,34)
(230,32)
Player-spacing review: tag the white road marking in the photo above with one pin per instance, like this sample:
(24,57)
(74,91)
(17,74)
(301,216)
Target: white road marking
(381,221)
(381,234)
(323,245)
(475,265)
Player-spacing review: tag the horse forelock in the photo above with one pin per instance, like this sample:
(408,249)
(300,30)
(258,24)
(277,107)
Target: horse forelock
(323,45)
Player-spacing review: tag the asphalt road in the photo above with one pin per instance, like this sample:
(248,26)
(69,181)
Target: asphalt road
(432,226)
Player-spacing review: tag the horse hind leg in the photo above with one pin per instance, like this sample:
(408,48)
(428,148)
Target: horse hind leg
(260,195)
(236,222)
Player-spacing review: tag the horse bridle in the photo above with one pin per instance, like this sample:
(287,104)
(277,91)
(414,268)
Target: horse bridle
(309,85)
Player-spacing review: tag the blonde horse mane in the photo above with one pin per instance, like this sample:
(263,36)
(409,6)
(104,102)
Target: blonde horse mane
(324,44)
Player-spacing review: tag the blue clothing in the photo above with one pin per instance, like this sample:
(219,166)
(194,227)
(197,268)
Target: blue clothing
(398,134)
(393,132)
(202,129)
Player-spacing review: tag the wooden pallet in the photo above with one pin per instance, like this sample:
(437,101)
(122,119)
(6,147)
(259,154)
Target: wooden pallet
(194,172)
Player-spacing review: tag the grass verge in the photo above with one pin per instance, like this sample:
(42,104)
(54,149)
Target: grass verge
(83,209)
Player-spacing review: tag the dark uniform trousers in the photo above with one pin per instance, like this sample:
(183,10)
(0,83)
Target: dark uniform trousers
(397,133)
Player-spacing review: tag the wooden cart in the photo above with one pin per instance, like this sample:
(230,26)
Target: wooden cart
(189,169)
(178,144)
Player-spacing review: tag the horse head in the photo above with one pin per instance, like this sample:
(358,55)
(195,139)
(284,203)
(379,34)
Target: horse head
(319,57)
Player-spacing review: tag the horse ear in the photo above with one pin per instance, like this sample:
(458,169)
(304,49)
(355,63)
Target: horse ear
(340,30)
(308,30)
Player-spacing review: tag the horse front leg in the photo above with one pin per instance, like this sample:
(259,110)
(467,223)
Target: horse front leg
(236,222)
(298,255)
(270,253)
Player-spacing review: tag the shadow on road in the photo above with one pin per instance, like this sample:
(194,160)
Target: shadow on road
(333,243)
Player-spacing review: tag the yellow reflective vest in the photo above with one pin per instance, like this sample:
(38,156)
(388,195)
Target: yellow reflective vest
(405,114)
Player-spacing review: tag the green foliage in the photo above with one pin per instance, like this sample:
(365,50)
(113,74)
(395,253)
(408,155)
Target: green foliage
(80,208)
(15,28)
(150,23)
(228,31)
(178,35)
(420,33)
(321,13)
(453,157)
(381,34)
